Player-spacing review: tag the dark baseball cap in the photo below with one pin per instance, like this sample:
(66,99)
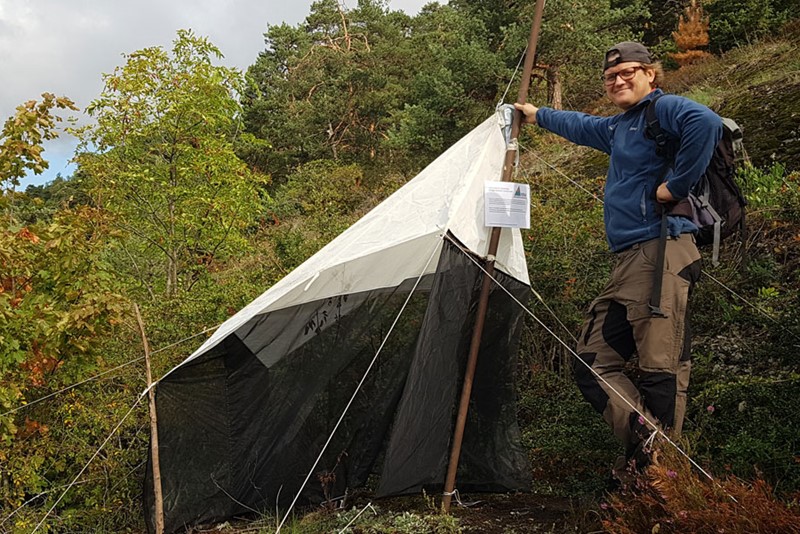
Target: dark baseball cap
(626,51)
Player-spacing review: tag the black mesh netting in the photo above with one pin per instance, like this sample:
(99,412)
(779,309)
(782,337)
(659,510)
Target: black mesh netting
(241,426)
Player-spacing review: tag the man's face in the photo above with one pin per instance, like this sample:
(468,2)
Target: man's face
(626,93)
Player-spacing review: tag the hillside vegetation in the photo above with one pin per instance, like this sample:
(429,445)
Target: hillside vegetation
(194,195)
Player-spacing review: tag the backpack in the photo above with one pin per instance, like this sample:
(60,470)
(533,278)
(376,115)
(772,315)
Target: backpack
(715,204)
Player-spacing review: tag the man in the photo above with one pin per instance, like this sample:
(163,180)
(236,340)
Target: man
(639,185)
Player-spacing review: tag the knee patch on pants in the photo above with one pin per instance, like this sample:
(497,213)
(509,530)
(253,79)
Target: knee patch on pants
(659,391)
(588,382)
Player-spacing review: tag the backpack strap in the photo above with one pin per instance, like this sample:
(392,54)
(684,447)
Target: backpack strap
(664,148)
(658,272)
(706,205)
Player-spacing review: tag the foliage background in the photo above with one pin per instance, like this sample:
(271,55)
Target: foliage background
(333,116)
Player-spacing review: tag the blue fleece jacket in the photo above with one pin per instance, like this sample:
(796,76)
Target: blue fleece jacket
(634,168)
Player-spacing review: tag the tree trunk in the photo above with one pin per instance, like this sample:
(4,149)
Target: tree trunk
(172,276)
(156,465)
(171,246)
(172,255)
(553,74)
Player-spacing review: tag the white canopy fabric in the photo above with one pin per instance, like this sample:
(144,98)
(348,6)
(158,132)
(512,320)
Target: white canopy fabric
(395,241)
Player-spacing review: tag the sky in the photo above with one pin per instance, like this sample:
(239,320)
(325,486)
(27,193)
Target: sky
(64,46)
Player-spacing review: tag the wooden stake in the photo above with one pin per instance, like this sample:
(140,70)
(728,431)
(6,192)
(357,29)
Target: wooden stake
(159,519)
(483,303)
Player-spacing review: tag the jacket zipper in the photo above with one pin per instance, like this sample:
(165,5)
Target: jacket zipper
(643,204)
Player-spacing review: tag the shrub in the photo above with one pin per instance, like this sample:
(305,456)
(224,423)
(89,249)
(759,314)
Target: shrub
(738,22)
(763,187)
(672,497)
(749,426)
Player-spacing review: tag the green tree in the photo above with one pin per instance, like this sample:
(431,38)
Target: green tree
(574,36)
(318,201)
(56,299)
(23,134)
(55,296)
(495,15)
(160,158)
(371,86)
(455,83)
(43,202)
(737,22)
(324,89)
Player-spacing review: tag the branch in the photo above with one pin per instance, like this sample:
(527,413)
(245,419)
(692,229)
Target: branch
(141,235)
(344,25)
(143,200)
(139,273)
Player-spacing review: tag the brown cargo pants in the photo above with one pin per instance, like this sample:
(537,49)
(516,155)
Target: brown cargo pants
(619,324)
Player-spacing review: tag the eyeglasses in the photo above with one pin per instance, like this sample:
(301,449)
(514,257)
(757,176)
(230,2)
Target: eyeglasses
(625,74)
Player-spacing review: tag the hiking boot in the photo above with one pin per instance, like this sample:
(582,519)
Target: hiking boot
(621,477)
(638,458)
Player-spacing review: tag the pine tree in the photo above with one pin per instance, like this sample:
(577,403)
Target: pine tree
(692,35)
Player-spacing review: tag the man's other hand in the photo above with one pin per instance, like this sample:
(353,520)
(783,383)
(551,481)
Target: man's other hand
(663,195)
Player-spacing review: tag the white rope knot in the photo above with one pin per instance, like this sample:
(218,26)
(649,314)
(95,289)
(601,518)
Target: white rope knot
(648,443)
(454,494)
(457,496)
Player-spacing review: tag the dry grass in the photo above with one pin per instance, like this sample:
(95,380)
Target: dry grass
(673,497)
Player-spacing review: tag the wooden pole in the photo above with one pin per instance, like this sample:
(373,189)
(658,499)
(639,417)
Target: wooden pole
(483,303)
(159,519)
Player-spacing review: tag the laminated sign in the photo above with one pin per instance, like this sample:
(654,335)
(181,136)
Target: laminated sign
(507,205)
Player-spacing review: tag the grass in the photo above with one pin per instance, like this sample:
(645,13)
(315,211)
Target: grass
(671,496)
